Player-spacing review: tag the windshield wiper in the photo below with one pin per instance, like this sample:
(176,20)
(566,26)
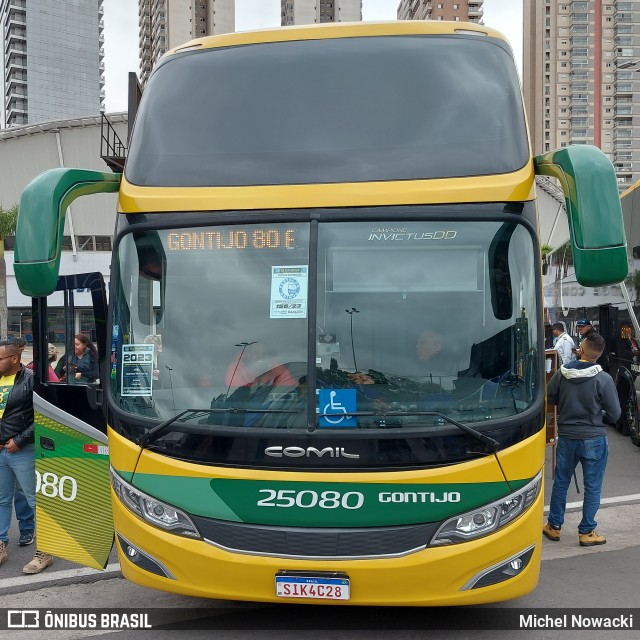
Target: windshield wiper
(493,444)
(243,410)
(154,433)
(478,435)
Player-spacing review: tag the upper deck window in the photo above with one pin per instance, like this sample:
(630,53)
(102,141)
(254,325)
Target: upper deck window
(326,111)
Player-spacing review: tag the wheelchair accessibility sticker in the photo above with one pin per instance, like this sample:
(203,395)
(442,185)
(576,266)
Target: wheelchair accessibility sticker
(337,405)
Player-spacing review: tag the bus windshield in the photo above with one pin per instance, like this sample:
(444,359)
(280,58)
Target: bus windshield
(304,112)
(219,318)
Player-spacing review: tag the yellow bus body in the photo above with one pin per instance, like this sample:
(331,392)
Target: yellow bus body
(434,576)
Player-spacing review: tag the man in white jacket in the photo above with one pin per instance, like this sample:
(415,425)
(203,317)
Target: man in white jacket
(563,344)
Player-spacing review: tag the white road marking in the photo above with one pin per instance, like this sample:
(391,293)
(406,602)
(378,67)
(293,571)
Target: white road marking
(53,576)
(603,502)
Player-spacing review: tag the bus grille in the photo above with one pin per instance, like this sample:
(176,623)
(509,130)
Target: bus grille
(310,543)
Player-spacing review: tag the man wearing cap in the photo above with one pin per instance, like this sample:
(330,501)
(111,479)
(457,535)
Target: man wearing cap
(584,329)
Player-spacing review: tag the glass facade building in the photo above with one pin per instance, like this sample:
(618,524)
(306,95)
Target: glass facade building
(53,59)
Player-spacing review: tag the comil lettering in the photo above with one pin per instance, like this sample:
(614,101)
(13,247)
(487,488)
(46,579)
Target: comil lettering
(301,452)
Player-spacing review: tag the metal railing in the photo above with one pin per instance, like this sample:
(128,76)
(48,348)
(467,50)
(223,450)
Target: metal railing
(112,150)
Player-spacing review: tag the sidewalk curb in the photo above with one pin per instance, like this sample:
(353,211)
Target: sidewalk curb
(81,575)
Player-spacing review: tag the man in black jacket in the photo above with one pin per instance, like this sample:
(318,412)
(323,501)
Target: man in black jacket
(17,459)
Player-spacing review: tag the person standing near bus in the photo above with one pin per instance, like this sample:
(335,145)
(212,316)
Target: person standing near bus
(585,328)
(17,457)
(587,400)
(563,344)
(82,363)
(25,515)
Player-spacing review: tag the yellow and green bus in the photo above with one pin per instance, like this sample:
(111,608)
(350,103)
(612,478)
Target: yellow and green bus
(322,358)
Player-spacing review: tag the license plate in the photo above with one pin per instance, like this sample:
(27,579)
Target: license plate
(313,587)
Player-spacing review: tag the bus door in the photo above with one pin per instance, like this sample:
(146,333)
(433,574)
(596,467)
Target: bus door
(73,500)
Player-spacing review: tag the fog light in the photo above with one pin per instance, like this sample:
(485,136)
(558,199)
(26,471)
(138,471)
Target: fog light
(143,560)
(505,570)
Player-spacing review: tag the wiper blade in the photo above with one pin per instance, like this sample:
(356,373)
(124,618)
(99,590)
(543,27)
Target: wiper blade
(243,410)
(478,435)
(154,433)
(493,444)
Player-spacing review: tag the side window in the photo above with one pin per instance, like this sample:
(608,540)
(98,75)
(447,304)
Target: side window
(72,340)
(69,345)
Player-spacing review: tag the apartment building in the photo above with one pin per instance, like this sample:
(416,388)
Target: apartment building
(165,24)
(581,78)
(458,11)
(53,60)
(312,11)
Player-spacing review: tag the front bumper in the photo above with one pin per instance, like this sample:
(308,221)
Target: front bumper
(434,576)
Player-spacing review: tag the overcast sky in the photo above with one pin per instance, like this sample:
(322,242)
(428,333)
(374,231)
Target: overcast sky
(121,32)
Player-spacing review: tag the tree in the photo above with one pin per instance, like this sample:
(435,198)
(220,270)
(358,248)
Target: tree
(8,222)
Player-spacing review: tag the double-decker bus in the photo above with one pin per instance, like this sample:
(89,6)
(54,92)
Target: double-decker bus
(322,359)
(612,310)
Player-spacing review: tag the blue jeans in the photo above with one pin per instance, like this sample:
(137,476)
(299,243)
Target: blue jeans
(25,515)
(20,468)
(592,455)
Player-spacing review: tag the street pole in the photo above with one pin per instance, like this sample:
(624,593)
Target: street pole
(244,345)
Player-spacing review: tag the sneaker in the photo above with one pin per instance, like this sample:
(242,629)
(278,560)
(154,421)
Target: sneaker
(26,538)
(591,539)
(39,563)
(551,532)
(3,552)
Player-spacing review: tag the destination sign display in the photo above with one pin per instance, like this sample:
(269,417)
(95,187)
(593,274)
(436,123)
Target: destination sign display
(253,239)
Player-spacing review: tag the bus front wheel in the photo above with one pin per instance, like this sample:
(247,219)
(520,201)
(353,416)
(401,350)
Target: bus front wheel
(631,420)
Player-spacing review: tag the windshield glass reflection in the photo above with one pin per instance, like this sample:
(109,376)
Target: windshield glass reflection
(418,325)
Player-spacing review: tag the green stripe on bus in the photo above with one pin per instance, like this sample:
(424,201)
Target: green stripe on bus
(321,504)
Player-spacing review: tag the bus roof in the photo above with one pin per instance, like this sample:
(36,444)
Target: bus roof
(338,30)
(410,182)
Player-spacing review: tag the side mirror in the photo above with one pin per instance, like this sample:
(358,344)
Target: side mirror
(43,207)
(593,205)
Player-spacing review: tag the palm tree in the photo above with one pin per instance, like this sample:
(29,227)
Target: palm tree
(8,221)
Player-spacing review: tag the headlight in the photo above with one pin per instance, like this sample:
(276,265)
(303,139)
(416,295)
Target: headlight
(488,518)
(159,514)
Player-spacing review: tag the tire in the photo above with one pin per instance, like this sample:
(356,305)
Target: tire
(622,425)
(631,421)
